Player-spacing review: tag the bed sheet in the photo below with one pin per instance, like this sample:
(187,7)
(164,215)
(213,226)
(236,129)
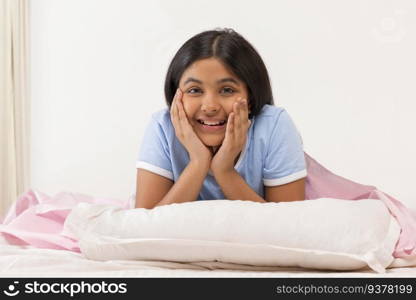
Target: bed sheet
(28,261)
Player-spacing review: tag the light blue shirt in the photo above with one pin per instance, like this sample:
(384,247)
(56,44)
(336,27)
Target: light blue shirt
(273,154)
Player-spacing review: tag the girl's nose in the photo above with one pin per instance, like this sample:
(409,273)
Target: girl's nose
(210,104)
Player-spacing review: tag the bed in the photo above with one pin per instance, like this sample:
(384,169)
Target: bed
(28,261)
(342,229)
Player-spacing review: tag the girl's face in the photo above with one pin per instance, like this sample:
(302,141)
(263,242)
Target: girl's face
(209,91)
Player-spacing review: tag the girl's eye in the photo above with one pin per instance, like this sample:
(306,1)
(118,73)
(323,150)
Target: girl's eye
(228,90)
(192,89)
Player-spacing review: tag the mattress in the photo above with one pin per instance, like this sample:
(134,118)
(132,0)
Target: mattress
(28,261)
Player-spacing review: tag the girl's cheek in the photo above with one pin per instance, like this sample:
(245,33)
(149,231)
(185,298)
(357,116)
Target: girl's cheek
(188,108)
(229,110)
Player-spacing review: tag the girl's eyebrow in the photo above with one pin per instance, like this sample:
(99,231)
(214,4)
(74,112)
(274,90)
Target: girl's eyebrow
(228,79)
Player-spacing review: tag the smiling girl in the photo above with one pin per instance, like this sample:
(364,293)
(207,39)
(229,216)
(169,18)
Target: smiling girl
(222,137)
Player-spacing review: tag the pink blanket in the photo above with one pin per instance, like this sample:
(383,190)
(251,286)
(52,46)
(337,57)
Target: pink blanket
(37,219)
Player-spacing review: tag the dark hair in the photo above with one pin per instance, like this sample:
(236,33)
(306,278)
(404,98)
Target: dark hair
(235,52)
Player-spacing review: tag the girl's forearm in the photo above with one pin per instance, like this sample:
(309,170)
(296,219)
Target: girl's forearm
(188,185)
(234,187)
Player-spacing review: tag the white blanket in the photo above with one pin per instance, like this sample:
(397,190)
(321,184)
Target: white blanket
(27,261)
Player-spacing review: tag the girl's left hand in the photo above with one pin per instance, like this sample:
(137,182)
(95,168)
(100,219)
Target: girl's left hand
(235,138)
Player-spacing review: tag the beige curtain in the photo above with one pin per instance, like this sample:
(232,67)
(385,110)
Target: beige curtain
(14,102)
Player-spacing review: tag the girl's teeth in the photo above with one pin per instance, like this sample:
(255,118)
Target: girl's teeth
(212,124)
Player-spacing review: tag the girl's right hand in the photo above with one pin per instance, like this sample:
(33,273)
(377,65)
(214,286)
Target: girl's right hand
(197,151)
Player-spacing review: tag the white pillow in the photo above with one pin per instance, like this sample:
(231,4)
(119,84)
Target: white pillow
(324,233)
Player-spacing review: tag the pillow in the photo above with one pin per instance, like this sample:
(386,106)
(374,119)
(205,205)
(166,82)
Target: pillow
(325,233)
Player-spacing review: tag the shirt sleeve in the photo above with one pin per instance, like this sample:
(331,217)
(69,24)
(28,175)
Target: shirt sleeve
(154,154)
(285,160)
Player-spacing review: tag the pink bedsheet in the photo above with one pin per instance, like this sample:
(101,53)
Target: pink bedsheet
(37,219)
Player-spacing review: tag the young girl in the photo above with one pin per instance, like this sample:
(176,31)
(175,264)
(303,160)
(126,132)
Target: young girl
(221,137)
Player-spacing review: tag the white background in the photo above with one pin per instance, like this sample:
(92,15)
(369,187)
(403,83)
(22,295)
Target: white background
(344,70)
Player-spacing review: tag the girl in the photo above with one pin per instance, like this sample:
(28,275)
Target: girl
(221,138)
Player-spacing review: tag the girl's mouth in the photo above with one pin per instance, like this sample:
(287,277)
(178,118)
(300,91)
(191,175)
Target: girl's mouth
(212,126)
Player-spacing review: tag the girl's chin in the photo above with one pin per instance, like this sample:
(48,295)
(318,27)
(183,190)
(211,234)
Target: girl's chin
(213,142)
(215,145)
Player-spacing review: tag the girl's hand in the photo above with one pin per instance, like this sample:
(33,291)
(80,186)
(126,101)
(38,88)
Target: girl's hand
(235,138)
(197,151)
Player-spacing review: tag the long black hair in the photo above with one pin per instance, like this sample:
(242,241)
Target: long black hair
(232,50)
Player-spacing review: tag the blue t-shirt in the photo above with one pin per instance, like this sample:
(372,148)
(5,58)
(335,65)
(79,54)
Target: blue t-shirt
(273,154)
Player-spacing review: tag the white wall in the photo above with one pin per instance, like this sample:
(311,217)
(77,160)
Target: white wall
(344,70)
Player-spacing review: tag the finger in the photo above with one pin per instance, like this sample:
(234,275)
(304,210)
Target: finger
(245,122)
(244,107)
(237,118)
(231,122)
(175,112)
(172,110)
(174,101)
(243,110)
(247,114)
(179,110)
(182,114)
(179,106)
(230,127)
